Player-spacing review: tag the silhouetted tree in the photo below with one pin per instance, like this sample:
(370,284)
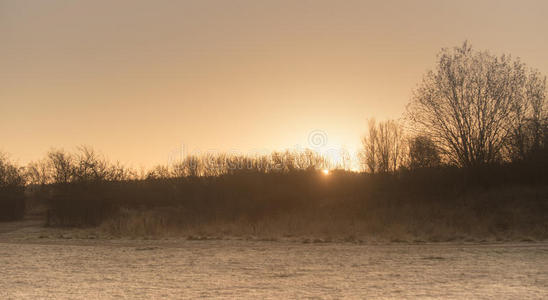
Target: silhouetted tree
(119,172)
(39,172)
(383,147)
(526,138)
(159,172)
(368,155)
(90,166)
(12,184)
(423,153)
(474,103)
(10,174)
(62,164)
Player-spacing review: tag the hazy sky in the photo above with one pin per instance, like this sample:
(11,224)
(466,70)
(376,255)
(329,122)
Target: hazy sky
(139,79)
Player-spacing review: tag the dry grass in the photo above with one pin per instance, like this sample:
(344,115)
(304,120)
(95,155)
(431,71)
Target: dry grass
(502,214)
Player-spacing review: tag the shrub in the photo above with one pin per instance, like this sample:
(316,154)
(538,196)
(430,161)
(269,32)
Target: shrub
(12,187)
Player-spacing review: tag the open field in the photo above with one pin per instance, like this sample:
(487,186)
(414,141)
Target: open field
(34,268)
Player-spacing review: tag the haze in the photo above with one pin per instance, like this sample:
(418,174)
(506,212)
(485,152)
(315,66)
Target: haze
(138,79)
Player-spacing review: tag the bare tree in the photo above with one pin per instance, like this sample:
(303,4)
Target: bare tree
(62,164)
(12,186)
(158,172)
(11,176)
(471,104)
(83,166)
(39,172)
(90,166)
(119,172)
(369,151)
(526,136)
(423,153)
(383,147)
(191,166)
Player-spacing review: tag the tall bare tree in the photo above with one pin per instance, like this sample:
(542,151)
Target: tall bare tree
(526,136)
(369,143)
(383,147)
(472,103)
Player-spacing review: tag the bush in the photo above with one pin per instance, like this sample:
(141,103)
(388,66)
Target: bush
(79,204)
(12,187)
(12,204)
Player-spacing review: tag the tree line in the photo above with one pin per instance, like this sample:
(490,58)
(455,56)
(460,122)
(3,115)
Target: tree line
(474,110)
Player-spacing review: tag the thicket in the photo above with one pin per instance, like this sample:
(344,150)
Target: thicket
(12,187)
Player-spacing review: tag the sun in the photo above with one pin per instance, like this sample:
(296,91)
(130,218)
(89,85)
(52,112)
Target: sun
(325,172)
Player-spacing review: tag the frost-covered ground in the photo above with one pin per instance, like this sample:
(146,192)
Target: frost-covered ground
(103,269)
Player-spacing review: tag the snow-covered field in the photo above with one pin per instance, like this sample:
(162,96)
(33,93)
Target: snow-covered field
(103,269)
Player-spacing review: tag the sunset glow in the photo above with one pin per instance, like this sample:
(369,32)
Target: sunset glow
(273,149)
(211,75)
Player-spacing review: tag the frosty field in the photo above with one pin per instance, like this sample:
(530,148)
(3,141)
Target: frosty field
(108,269)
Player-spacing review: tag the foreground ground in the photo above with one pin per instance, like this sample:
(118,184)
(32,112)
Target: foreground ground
(65,267)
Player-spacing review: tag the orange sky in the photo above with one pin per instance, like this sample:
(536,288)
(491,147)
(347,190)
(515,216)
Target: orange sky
(139,79)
